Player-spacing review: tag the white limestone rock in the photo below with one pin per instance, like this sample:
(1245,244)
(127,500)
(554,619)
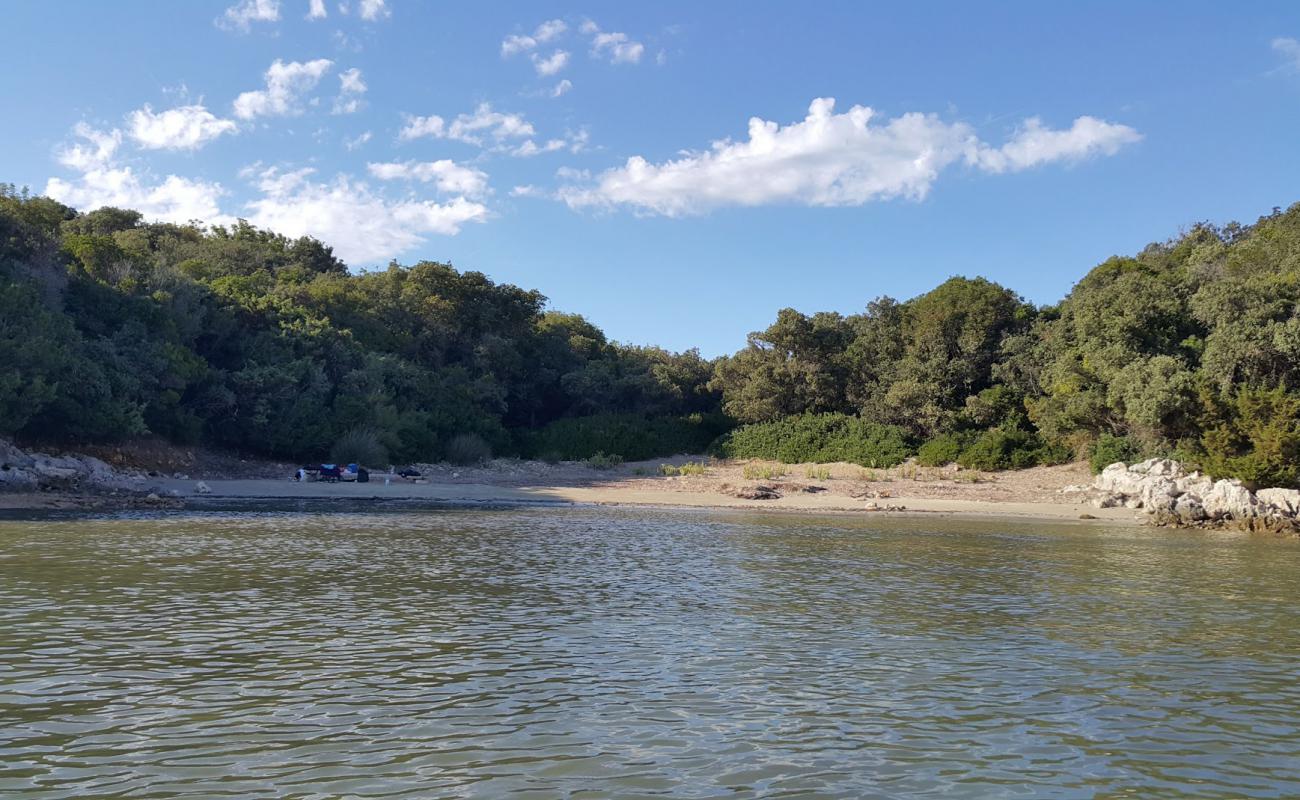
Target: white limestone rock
(1228,499)
(1279,502)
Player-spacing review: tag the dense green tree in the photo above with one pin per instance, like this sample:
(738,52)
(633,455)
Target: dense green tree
(113,326)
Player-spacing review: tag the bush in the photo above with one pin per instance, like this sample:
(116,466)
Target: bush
(633,436)
(998,449)
(942,449)
(1110,448)
(602,461)
(819,438)
(689,468)
(359,446)
(1256,438)
(466,449)
(762,472)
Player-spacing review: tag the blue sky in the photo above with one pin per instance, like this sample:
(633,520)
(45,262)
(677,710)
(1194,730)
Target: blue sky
(605,153)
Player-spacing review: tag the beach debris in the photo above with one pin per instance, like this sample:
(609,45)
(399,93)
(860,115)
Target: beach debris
(757,492)
(874,506)
(787,486)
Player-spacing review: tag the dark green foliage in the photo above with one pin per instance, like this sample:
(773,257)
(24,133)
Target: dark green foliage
(468,449)
(602,461)
(819,438)
(942,449)
(1109,448)
(112,326)
(1254,435)
(240,337)
(360,446)
(632,436)
(1000,448)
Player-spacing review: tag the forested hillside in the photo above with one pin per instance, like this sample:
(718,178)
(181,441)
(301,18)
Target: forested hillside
(113,327)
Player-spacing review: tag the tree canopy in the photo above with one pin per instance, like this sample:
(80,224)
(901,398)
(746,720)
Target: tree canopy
(112,326)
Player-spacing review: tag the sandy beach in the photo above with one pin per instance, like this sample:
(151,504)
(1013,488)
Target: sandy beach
(835,488)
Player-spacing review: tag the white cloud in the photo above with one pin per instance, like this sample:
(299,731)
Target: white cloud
(494,131)
(351,87)
(562,87)
(373,9)
(484,121)
(361,226)
(549,29)
(614,46)
(103,182)
(573,142)
(242,15)
(353,144)
(418,127)
(448,176)
(1289,49)
(317,10)
(516,43)
(527,190)
(97,149)
(530,148)
(469,128)
(174,199)
(285,84)
(181,128)
(1034,144)
(831,159)
(552,64)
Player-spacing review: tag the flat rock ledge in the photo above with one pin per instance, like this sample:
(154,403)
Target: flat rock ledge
(1171,496)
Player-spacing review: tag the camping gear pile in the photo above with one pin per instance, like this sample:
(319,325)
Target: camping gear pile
(333,473)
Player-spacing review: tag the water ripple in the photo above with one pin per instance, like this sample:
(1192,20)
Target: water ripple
(595,653)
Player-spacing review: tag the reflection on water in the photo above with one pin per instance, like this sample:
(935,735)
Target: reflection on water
(595,653)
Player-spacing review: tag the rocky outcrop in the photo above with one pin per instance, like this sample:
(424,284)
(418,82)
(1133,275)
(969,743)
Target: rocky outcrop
(21,471)
(1173,496)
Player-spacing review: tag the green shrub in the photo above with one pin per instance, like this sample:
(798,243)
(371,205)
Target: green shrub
(467,449)
(1254,435)
(819,438)
(1110,448)
(360,446)
(942,449)
(602,461)
(818,473)
(633,436)
(998,449)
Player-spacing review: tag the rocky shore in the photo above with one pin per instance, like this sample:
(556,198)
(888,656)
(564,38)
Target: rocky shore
(1172,496)
(76,480)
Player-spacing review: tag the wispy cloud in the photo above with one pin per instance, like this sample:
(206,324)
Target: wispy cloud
(241,16)
(351,88)
(1289,49)
(520,43)
(613,46)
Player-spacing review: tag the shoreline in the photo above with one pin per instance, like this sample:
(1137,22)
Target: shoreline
(175,494)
